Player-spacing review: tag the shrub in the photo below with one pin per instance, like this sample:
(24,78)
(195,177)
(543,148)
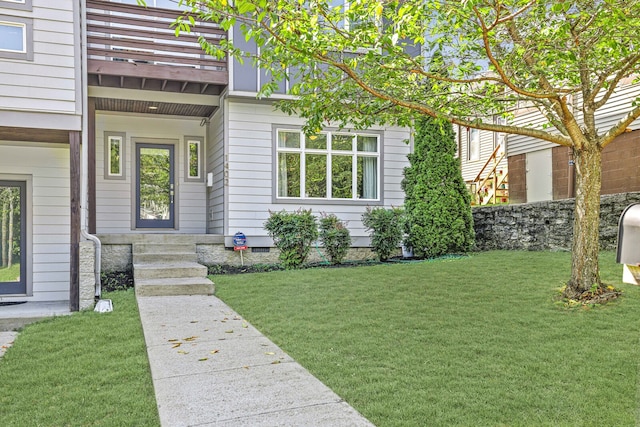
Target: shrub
(116,280)
(292,233)
(335,237)
(385,227)
(437,203)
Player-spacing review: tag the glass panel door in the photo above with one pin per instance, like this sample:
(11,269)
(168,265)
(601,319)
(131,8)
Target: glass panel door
(12,238)
(155,191)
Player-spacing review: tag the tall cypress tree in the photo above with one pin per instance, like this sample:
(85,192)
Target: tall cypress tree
(437,203)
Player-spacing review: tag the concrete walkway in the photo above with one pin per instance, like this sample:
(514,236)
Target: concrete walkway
(211,368)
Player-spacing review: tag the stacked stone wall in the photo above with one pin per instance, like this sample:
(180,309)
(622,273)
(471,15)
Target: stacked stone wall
(544,225)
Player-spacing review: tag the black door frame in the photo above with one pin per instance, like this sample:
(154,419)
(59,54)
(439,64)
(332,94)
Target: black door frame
(19,287)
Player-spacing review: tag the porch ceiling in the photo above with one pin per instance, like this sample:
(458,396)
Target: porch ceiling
(154,107)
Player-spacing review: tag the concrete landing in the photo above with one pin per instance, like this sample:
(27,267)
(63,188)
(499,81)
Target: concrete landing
(211,368)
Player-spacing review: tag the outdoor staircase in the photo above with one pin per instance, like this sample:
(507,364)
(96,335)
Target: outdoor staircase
(169,268)
(491,185)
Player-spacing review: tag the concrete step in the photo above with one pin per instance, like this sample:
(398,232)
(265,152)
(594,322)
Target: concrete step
(174,286)
(163,248)
(164,258)
(168,270)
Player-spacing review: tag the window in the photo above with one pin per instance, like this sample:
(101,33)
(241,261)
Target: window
(16,4)
(16,37)
(499,138)
(473,147)
(114,155)
(327,165)
(194,146)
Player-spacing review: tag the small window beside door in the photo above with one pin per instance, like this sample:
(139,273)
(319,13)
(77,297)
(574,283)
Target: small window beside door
(114,155)
(194,147)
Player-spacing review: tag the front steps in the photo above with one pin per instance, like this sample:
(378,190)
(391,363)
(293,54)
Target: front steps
(166,268)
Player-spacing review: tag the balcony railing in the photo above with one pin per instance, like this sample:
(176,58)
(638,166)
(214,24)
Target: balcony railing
(130,41)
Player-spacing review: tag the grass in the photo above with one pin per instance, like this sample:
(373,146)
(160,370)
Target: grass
(88,369)
(476,341)
(10,274)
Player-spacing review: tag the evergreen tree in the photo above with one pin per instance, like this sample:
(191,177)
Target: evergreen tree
(437,203)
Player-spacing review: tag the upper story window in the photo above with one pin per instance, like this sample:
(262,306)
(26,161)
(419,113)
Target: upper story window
(328,165)
(163,4)
(473,144)
(16,37)
(16,4)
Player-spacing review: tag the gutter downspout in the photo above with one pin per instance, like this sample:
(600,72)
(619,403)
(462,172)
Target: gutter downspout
(85,156)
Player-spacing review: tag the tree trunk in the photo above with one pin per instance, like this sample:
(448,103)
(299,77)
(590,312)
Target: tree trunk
(586,235)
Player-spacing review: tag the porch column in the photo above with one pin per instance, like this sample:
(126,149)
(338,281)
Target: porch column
(91,168)
(74,172)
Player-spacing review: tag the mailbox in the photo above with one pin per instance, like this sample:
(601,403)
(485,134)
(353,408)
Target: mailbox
(629,236)
(629,244)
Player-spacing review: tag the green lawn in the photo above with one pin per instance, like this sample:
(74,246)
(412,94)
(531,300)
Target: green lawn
(88,369)
(476,341)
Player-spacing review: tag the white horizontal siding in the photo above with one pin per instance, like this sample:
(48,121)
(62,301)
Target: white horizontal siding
(611,113)
(48,168)
(115,199)
(250,171)
(215,166)
(48,83)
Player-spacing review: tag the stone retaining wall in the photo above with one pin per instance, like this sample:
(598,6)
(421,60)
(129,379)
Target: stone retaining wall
(544,225)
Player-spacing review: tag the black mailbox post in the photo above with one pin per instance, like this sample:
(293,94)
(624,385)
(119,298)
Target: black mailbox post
(629,243)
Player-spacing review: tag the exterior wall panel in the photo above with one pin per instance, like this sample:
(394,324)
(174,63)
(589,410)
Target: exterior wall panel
(115,199)
(46,167)
(250,173)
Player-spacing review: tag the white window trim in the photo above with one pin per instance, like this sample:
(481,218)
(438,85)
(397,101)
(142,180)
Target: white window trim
(187,159)
(475,141)
(122,137)
(16,4)
(27,34)
(329,153)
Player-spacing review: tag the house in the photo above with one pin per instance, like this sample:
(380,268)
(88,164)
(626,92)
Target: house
(41,114)
(162,152)
(539,170)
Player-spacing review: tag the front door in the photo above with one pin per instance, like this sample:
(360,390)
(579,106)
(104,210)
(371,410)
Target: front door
(13,266)
(155,187)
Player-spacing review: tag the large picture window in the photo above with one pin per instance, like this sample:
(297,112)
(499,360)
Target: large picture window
(328,165)
(13,258)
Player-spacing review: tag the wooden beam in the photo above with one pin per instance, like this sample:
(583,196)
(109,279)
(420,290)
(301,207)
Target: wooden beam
(184,86)
(74,267)
(91,168)
(204,87)
(164,84)
(144,80)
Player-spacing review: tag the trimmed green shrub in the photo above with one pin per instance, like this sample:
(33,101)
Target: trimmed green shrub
(437,205)
(335,237)
(385,227)
(292,233)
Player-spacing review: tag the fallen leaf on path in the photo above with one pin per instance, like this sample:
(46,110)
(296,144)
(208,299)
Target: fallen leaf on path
(269,353)
(215,351)
(275,362)
(229,331)
(178,344)
(182,352)
(191,338)
(173,340)
(202,359)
